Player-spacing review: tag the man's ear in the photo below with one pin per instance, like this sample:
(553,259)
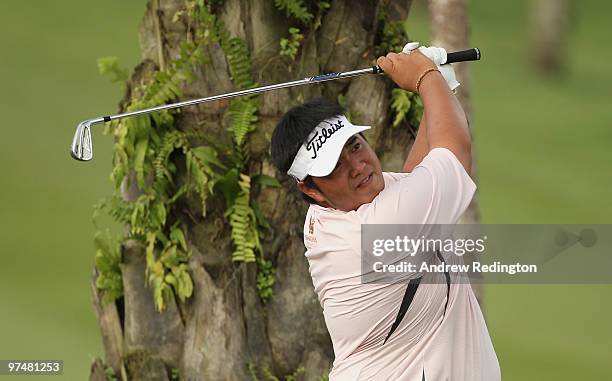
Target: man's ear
(312,193)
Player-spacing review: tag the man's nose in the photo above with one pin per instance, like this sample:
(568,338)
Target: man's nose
(357,165)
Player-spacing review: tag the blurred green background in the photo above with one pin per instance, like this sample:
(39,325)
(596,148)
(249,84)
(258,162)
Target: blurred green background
(541,155)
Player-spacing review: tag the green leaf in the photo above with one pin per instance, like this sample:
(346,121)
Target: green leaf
(110,66)
(171,279)
(266,180)
(159,297)
(185,285)
(150,251)
(400,104)
(207,155)
(159,212)
(177,236)
(103,264)
(228,185)
(168,256)
(141,150)
(295,8)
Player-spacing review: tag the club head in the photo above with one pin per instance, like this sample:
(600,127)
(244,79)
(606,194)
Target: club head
(81,148)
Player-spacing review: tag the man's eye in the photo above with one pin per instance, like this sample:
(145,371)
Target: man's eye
(356,146)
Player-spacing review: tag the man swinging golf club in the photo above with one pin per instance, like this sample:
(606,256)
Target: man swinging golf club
(394,331)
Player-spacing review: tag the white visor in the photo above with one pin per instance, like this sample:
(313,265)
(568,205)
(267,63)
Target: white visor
(319,154)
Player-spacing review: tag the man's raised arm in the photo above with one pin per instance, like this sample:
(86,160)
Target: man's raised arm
(420,147)
(446,122)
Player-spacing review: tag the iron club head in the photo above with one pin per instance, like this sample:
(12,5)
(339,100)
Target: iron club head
(82,148)
(81,143)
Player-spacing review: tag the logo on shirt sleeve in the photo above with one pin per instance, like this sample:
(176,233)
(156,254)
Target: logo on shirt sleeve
(310,236)
(311,225)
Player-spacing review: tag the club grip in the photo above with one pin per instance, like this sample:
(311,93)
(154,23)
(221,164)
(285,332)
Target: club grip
(461,56)
(464,55)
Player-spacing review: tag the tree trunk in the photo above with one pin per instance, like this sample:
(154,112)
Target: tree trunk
(451,29)
(549,22)
(225,326)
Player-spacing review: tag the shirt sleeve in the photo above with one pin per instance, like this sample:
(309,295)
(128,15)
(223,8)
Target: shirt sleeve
(437,191)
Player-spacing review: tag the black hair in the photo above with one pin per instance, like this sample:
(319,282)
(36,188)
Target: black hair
(293,129)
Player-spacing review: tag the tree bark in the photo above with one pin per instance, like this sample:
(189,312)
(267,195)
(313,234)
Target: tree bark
(224,326)
(549,22)
(450,28)
(110,327)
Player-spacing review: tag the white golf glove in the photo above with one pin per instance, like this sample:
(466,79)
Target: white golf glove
(438,57)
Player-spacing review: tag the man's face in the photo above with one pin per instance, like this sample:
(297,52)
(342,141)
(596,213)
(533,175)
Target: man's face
(356,180)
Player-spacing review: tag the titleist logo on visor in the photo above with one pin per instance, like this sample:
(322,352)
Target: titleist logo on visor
(318,140)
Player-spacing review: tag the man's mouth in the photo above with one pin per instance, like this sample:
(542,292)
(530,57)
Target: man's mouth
(365,181)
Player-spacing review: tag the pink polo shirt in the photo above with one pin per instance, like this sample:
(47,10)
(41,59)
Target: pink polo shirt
(429,343)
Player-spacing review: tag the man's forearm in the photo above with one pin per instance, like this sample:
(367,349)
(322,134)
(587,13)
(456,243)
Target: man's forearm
(419,149)
(446,122)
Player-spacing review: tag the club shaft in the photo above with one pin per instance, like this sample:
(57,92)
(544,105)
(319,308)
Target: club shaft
(465,55)
(256,90)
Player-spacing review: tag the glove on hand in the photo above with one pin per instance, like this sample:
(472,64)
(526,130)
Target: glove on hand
(438,57)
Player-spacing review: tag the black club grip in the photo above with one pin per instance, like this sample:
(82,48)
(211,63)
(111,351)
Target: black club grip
(461,56)
(464,55)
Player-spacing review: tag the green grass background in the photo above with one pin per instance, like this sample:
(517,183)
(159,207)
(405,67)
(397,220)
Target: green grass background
(541,150)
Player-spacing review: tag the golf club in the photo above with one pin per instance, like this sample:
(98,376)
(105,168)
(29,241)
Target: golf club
(82,148)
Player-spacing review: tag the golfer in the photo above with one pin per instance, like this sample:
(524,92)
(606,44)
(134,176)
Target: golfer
(412,330)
